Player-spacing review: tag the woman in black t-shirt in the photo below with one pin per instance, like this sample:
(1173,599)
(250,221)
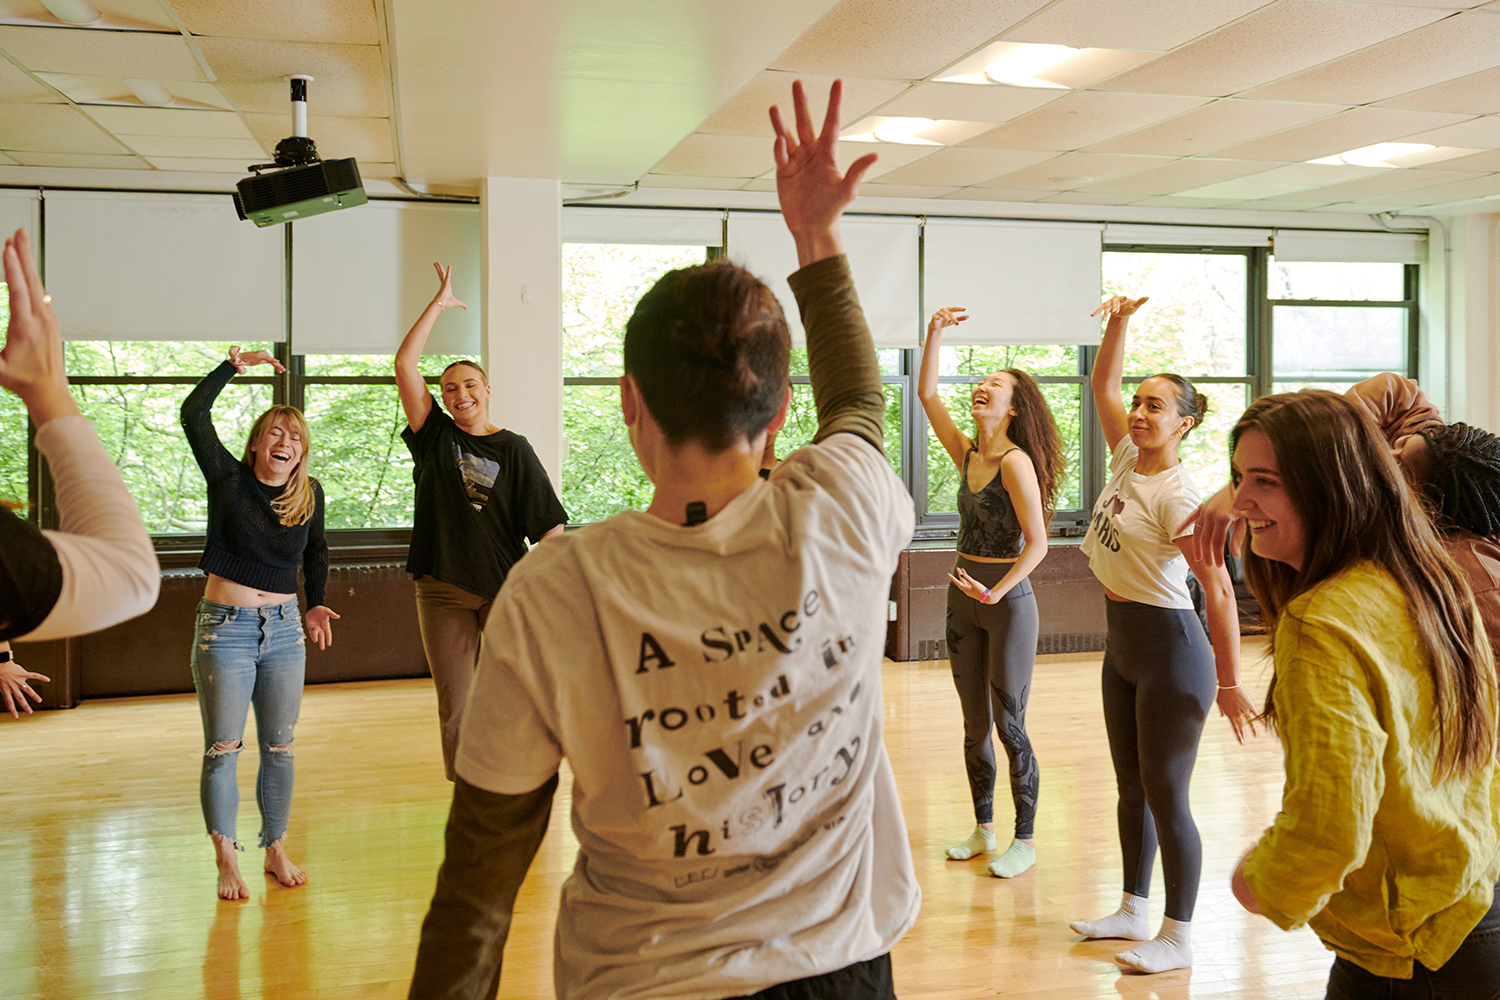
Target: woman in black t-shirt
(481,493)
(265,516)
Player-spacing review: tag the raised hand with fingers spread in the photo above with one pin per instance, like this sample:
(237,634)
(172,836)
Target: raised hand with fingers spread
(813,191)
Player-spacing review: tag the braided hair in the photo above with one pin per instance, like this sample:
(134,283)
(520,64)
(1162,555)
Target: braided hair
(1464,485)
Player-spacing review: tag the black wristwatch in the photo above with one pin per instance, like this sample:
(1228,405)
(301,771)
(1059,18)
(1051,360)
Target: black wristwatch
(6,656)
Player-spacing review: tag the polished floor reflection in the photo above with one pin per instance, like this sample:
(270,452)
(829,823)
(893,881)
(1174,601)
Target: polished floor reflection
(107,879)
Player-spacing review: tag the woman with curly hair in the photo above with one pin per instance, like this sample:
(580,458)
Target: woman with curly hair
(1010,472)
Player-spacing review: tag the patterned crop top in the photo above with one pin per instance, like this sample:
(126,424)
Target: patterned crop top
(987,521)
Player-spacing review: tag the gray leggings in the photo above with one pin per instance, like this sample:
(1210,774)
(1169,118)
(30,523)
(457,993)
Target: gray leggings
(992,650)
(1158,684)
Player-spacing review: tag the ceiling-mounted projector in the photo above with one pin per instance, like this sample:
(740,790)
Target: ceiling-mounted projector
(298,184)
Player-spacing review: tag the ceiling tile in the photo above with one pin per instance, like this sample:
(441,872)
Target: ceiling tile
(900,191)
(84,161)
(1090,198)
(1479,187)
(1145,24)
(170,121)
(685,181)
(52,128)
(899,39)
(336,138)
(993,194)
(173,145)
(119,15)
(204,164)
(1483,133)
(746,112)
(1179,175)
(1073,170)
(1083,118)
(110,90)
(1244,188)
(958,166)
(15,85)
(1214,126)
(718,156)
(1181,201)
(1475,94)
(1285,204)
(1276,40)
(1344,131)
(351,21)
(6,160)
(348,79)
(1320,174)
(759,184)
(1391,182)
(102,53)
(970,102)
(1487,161)
(1455,46)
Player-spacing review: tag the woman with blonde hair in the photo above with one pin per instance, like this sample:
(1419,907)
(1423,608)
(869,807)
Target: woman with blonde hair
(265,516)
(1010,473)
(1384,696)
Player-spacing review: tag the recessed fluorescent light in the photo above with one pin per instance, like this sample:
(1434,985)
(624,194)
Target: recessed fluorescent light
(1376,155)
(149,92)
(904,131)
(1019,66)
(72,11)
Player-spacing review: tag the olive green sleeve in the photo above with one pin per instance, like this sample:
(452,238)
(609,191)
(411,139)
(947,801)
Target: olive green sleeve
(840,354)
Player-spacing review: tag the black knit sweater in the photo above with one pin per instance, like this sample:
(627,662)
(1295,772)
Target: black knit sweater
(247,543)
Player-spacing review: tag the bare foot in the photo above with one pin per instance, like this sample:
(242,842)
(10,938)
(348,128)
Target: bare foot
(231,886)
(279,865)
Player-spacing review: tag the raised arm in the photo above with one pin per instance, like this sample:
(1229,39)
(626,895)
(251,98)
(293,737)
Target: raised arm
(100,569)
(1398,405)
(955,441)
(843,369)
(415,399)
(490,842)
(197,410)
(1109,367)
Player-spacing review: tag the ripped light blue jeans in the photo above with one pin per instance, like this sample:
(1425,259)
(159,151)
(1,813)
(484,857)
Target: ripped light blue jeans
(244,657)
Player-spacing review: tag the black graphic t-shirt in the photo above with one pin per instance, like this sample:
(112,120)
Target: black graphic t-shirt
(478,500)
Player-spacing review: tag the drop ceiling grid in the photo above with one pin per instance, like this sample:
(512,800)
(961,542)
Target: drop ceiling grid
(1278,40)
(1179,175)
(1436,53)
(899,39)
(1073,170)
(1156,25)
(1215,126)
(1347,130)
(18,85)
(345,21)
(960,166)
(1082,118)
(746,112)
(1476,94)
(969,102)
(349,80)
(53,128)
(126,54)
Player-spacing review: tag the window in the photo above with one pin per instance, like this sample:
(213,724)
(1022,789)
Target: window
(1336,324)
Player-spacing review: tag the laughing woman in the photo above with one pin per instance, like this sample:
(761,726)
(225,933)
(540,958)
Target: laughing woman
(1384,698)
(1015,458)
(265,515)
(481,494)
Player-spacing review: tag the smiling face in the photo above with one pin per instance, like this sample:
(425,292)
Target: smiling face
(1154,418)
(1276,528)
(993,396)
(275,455)
(466,394)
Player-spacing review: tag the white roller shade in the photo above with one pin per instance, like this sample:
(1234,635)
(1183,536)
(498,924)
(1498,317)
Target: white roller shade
(18,210)
(361,277)
(883,255)
(661,227)
(127,266)
(1021,283)
(1185,236)
(1350,248)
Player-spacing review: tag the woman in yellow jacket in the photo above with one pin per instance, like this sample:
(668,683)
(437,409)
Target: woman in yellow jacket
(1384,697)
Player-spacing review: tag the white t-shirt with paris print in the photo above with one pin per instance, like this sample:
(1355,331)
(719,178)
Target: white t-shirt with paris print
(1131,541)
(716,692)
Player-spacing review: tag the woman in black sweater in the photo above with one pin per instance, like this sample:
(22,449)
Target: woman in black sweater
(265,514)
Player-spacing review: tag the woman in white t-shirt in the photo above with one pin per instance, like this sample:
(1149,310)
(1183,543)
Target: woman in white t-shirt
(1159,670)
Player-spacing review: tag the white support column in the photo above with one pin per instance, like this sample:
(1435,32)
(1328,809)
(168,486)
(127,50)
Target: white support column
(1475,388)
(521,260)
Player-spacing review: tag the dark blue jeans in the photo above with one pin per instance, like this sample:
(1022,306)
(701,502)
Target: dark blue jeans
(1473,973)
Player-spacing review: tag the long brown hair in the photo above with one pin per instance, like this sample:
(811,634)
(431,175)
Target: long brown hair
(1035,432)
(1354,502)
(296,503)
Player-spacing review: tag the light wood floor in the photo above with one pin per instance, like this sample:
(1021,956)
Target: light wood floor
(107,879)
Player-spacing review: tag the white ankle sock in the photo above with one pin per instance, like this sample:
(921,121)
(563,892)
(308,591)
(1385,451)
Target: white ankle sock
(980,841)
(1018,857)
(1170,949)
(1129,922)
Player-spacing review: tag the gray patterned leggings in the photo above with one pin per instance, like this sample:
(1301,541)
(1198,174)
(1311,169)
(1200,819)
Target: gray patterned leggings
(992,650)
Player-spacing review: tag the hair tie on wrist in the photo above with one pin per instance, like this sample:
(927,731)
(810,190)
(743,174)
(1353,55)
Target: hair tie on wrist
(1228,687)
(985,599)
